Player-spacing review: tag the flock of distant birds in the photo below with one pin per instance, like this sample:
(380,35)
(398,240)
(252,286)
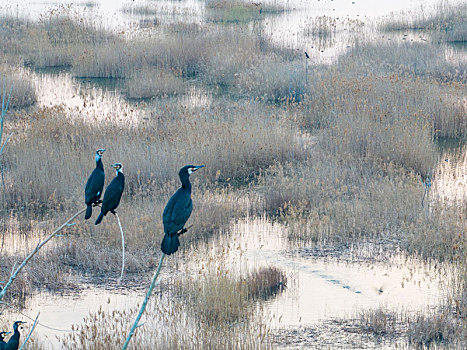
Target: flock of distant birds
(175,215)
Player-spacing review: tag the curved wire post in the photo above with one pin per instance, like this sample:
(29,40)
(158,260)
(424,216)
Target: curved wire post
(30,332)
(38,247)
(145,302)
(123,248)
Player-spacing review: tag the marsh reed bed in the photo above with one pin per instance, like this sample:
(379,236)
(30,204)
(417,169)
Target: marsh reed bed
(371,122)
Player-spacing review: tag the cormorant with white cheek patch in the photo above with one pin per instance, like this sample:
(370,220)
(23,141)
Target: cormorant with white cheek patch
(2,340)
(95,185)
(113,193)
(13,343)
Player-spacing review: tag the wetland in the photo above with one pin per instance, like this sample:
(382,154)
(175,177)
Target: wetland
(332,209)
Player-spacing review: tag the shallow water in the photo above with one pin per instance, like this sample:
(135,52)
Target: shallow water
(318,289)
(323,288)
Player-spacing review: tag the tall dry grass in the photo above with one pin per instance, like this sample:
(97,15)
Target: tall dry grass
(150,82)
(45,176)
(373,118)
(273,80)
(54,41)
(448,23)
(23,92)
(210,312)
(413,59)
(341,200)
(352,94)
(216,56)
(240,11)
(435,329)
(53,150)
(438,328)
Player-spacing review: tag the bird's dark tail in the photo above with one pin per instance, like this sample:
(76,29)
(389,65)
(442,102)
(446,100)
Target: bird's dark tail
(88,212)
(170,244)
(99,218)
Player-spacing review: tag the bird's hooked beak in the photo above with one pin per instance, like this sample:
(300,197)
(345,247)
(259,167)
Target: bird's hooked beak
(194,168)
(117,166)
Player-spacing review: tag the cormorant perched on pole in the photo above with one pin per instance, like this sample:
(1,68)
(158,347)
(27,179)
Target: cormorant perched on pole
(112,194)
(95,185)
(13,343)
(177,211)
(2,340)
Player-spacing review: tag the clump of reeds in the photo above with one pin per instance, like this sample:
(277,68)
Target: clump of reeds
(150,82)
(448,23)
(336,95)
(22,286)
(54,41)
(340,199)
(443,229)
(146,9)
(216,56)
(412,59)
(265,282)
(45,272)
(321,27)
(379,322)
(206,316)
(218,298)
(273,80)
(112,60)
(436,328)
(23,92)
(240,11)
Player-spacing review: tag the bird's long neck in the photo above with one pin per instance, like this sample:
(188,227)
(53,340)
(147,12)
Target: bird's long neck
(99,163)
(185,179)
(14,339)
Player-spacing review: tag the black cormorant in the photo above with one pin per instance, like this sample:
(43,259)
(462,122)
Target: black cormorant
(13,343)
(177,211)
(95,185)
(113,193)
(2,340)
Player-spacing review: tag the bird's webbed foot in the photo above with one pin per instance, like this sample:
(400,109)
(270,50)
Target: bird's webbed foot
(182,231)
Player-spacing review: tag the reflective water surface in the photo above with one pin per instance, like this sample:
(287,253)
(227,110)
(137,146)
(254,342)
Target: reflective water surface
(318,289)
